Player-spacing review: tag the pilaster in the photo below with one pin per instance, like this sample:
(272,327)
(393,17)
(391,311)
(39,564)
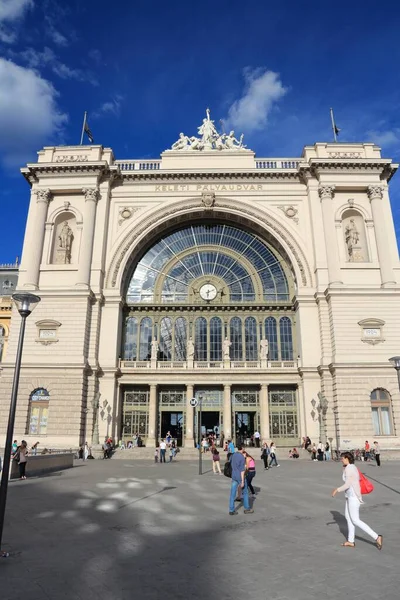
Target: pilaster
(326,193)
(375,194)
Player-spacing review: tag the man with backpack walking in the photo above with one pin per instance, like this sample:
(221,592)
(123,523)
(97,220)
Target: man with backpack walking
(238,470)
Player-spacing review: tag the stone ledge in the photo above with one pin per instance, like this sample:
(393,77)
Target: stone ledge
(46,463)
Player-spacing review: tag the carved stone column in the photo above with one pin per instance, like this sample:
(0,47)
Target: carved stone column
(375,194)
(34,257)
(151,438)
(189,418)
(264,413)
(326,193)
(227,412)
(89,216)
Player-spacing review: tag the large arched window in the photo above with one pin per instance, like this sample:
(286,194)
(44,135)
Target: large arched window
(239,259)
(236,339)
(131,334)
(271,335)
(165,343)
(200,342)
(38,412)
(381,412)
(250,332)
(215,339)
(145,339)
(180,339)
(285,330)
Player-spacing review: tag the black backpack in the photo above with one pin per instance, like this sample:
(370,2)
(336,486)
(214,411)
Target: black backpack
(228,469)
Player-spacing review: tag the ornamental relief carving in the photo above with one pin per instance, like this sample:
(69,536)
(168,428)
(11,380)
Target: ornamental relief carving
(92,194)
(71,158)
(280,230)
(290,212)
(345,155)
(326,191)
(126,212)
(43,195)
(375,191)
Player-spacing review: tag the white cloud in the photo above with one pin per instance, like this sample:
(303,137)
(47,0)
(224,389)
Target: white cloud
(112,107)
(29,115)
(10,12)
(56,36)
(47,58)
(389,137)
(262,90)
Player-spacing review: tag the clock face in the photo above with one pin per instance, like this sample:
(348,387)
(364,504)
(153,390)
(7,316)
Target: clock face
(208,291)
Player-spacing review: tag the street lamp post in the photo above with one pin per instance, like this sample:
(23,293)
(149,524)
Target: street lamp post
(200,398)
(395,362)
(25,304)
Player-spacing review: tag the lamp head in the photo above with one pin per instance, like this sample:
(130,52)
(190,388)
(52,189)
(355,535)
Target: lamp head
(395,362)
(25,303)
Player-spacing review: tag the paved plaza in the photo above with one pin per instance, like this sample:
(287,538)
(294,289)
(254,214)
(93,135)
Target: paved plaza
(124,530)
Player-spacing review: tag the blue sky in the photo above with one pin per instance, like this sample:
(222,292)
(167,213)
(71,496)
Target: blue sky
(146,70)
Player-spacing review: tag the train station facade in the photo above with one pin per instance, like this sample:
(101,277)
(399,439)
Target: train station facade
(267,288)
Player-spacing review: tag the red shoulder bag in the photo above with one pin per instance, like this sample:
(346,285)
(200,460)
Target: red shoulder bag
(366,486)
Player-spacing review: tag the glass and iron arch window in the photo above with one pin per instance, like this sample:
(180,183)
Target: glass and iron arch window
(200,339)
(145,338)
(131,338)
(180,342)
(215,339)
(215,250)
(250,333)
(38,412)
(236,349)
(381,407)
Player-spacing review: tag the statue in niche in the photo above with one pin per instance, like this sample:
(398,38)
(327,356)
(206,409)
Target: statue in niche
(264,348)
(190,349)
(63,250)
(154,349)
(226,345)
(352,238)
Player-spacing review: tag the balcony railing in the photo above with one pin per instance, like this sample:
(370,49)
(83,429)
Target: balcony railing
(204,365)
(259,163)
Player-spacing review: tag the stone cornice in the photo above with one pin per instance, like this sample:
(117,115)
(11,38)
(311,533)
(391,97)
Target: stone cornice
(384,167)
(258,174)
(35,171)
(284,307)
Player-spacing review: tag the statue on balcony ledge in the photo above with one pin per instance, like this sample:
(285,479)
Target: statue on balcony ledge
(190,349)
(154,349)
(226,345)
(264,349)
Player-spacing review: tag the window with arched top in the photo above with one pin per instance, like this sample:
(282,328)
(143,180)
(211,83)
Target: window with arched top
(215,339)
(165,343)
(285,331)
(200,339)
(38,412)
(180,343)
(145,337)
(250,332)
(271,335)
(236,339)
(381,407)
(131,332)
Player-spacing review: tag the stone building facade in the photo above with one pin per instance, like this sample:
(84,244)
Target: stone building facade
(8,285)
(267,288)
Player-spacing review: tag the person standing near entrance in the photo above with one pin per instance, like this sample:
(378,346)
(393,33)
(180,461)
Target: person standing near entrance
(264,455)
(250,472)
(163,449)
(231,448)
(238,463)
(257,437)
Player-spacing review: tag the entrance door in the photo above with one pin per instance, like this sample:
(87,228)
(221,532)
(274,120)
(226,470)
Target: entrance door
(172,422)
(244,427)
(210,421)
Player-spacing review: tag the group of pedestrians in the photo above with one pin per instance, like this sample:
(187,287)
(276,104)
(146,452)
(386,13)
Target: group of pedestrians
(269,456)
(167,445)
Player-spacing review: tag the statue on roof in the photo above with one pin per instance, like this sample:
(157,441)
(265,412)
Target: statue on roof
(209,139)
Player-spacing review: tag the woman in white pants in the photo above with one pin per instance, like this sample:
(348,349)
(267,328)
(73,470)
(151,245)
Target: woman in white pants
(351,487)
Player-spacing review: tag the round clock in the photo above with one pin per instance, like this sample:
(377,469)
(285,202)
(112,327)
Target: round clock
(208,291)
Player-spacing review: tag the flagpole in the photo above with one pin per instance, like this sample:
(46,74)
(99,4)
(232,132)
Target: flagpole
(83,128)
(333,126)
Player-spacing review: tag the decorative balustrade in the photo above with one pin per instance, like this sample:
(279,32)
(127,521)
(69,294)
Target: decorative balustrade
(260,163)
(138,165)
(204,365)
(277,163)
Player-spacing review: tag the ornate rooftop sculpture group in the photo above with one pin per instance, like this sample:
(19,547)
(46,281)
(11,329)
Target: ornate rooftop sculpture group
(209,139)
